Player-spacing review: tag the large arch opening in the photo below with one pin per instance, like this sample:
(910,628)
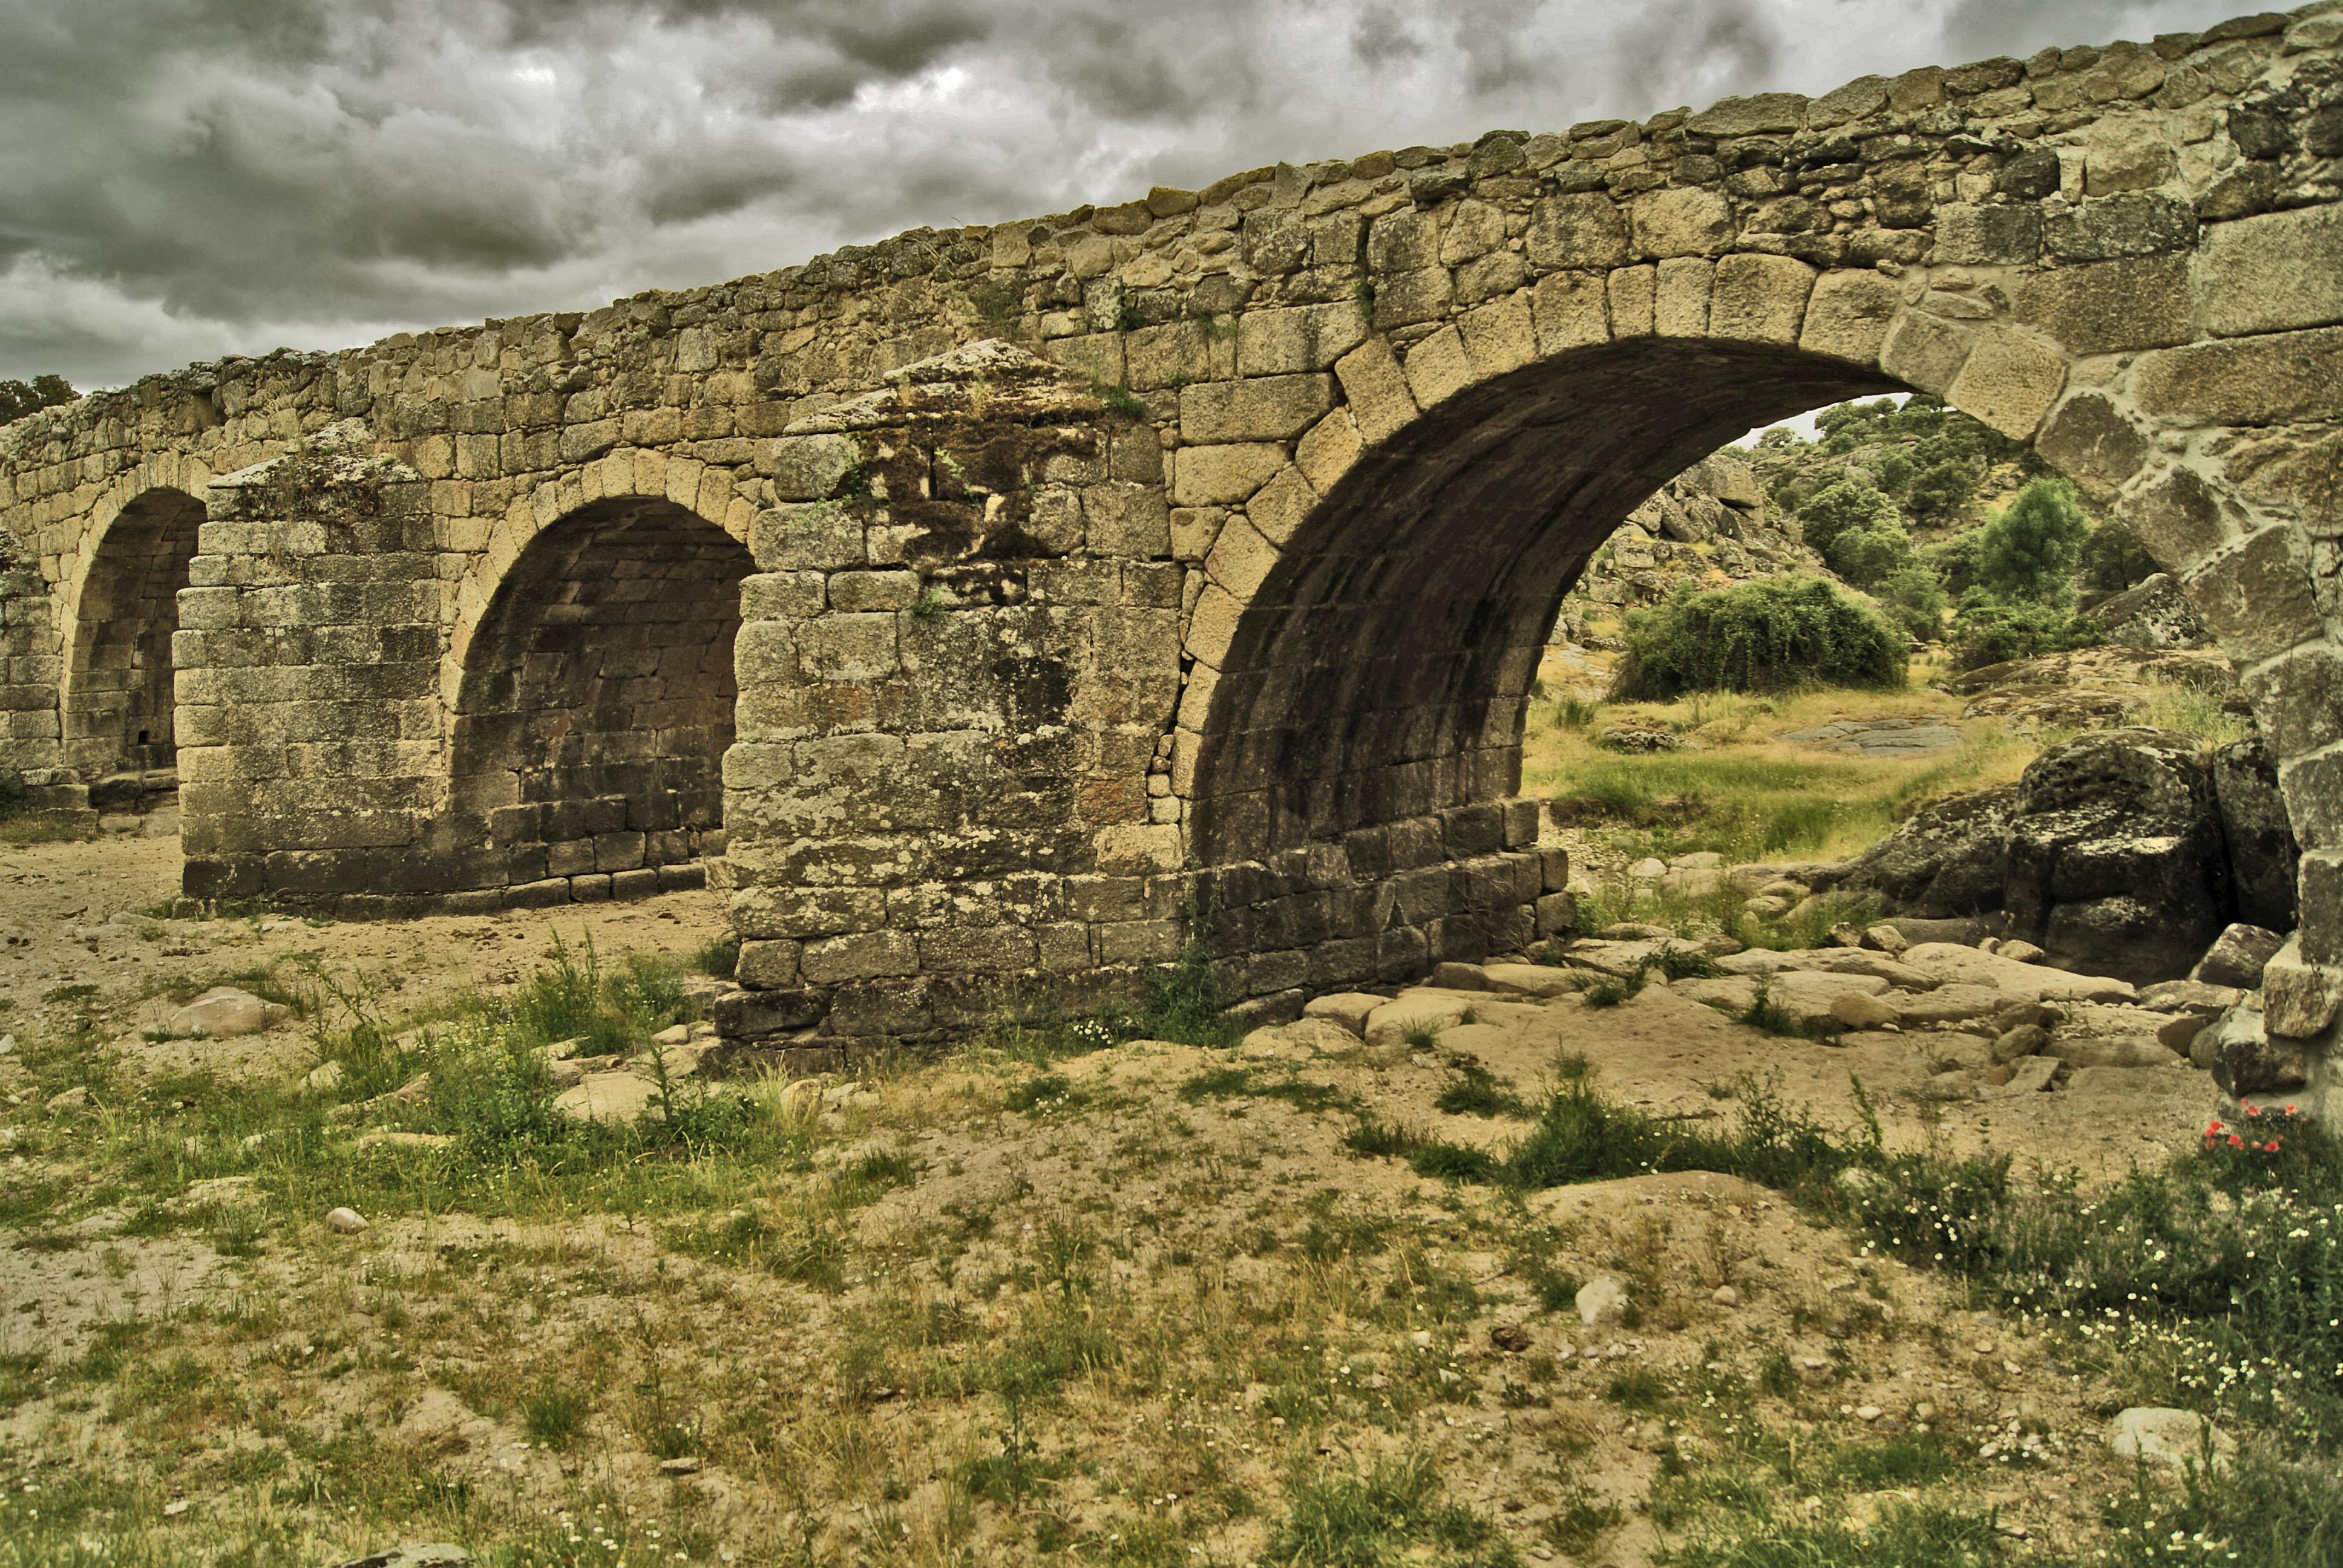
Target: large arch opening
(597,702)
(119,698)
(1380,669)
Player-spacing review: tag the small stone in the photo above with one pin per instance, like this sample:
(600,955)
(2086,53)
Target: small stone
(2023,952)
(173,1508)
(414,1554)
(7,1043)
(1725,1296)
(1509,1337)
(1845,935)
(74,1099)
(223,1012)
(2238,957)
(680,1034)
(2026,1039)
(1421,1338)
(687,1466)
(1601,1302)
(1868,1413)
(2173,1438)
(1885,938)
(323,1078)
(344,1221)
(1648,870)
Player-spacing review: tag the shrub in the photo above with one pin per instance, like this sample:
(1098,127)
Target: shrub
(1864,556)
(1765,636)
(1990,629)
(1942,488)
(2112,559)
(1914,597)
(1847,504)
(2029,551)
(1955,561)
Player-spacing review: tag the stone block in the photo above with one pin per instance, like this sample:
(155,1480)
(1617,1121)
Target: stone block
(1223,475)
(1569,310)
(864,955)
(1241,559)
(2110,306)
(1377,390)
(762,1014)
(2009,382)
(2090,441)
(1756,115)
(1584,232)
(1680,303)
(1925,352)
(1328,451)
(2244,380)
(1405,298)
(1266,408)
(2103,229)
(1278,508)
(1438,368)
(1685,221)
(1759,299)
(809,468)
(850,647)
(2001,235)
(767,965)
(2298,698)
(1128,520)
(2273,272)
(2255,597)
(2177,517)
(1630,291)
(819,536)
(2313,788)
(1848,315)
(1498,336)
(860,591)
(1307,338)
(2299,998)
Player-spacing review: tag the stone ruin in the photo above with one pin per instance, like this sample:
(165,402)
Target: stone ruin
(989,607)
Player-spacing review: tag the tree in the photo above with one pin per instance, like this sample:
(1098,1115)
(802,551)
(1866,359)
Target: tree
(1864,556)
(1942,488)
(1848,502)
(18,399)
(2029,551)
(2113,558)
(1894,470)
(1915,598)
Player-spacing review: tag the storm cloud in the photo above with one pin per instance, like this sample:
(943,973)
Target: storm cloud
(185,179)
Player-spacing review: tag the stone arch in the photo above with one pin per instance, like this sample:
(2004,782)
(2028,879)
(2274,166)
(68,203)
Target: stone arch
(593,704)
(118,703)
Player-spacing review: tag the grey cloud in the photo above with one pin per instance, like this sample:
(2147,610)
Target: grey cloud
(191,176)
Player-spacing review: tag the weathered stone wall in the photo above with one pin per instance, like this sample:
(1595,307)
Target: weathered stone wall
(1244,574)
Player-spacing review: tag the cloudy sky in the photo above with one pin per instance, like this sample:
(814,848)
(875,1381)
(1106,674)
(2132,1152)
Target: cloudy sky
(185,179)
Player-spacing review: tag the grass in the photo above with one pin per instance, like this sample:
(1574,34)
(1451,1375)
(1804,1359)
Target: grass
(1745,794)
(1392,1513)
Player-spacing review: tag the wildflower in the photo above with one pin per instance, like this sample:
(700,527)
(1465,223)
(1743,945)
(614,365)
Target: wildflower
(2236,1142)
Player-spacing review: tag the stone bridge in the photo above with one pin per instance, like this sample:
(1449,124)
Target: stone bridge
(1002,601)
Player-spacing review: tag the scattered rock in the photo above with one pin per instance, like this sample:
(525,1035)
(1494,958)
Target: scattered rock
(2238,957)
(1845,935)
(1350,1008)
(223,1013)
(606,1096)
(2125,1052)
(407,1140)
(2153,614)
(2027,1075)
(1648,870)
(2244,1060)
(1303,1038)
(2173,1438)
(685,1465)
(2187,996)
(1885,938)
(1947,1004)
(77,1097)
(1529,980)
(323,1078)
(344,1221)
(1510,1337)
(677,1034)
(1857,1010)
(1725,1296)
(2018,952)
(419,1554)
(1640,739)
(1602,1302)
(1453,976)
(2026,1039)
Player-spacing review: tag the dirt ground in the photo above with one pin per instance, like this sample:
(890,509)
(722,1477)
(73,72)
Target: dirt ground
(1138,1306)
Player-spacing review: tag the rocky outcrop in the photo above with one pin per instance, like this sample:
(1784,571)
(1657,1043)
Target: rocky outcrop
(2154,614)
(2263,852)
(2114,852)
(2089,687)
(1706,528)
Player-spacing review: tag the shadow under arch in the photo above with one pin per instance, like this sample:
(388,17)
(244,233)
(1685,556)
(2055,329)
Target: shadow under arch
(120,703)
(1378,672)
(596,704)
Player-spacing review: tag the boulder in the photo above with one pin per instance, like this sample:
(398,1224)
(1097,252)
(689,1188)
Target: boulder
(2263,853)
(223,1012)
(2112,853)
(1348,1008)
(2237,1050)
(2154,613)
(2238,957)
(2015,1044)
(2129,1051)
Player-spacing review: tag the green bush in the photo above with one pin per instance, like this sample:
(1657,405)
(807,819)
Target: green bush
(1990,629)
(2030,550)
(1765,636)
(1914,597)
(1865,556)
(1845,505)
(1942,488)
(1955,561)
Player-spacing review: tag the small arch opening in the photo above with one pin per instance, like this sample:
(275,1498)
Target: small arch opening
(120,699)
(596,701)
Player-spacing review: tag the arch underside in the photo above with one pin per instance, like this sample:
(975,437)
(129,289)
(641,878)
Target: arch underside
(119,708)
(598,700)
(1380,669)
